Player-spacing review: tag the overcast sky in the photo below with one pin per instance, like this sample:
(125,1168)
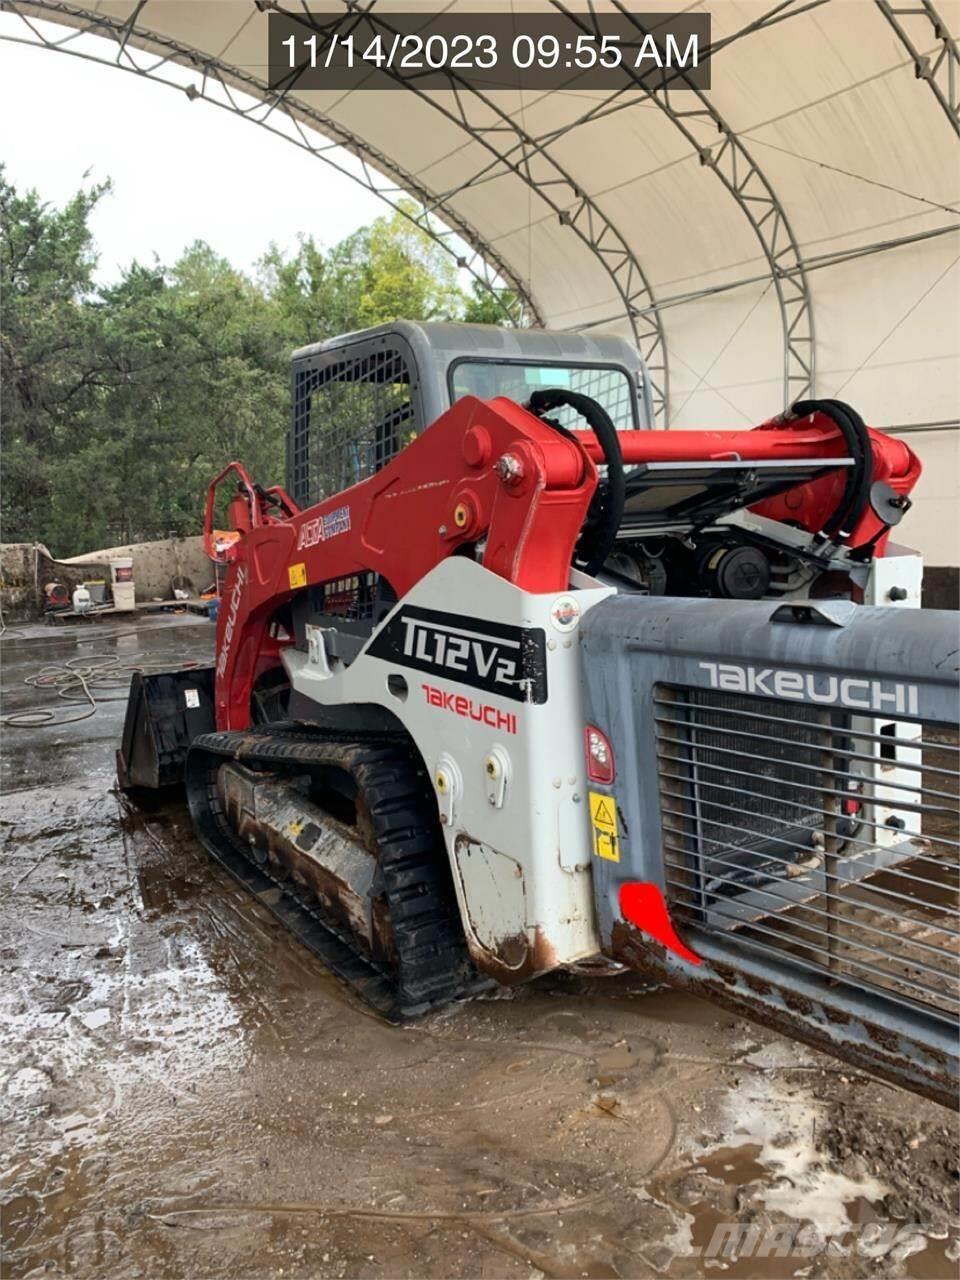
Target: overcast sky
(181,170)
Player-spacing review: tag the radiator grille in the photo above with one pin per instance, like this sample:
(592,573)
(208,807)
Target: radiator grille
(819,838)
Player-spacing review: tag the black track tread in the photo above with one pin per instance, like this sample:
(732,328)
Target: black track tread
(433,965)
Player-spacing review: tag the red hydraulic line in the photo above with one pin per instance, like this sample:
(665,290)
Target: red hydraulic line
(762,444)
(719,446)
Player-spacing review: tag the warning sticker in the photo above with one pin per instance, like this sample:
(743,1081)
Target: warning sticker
(297,573)
(603,816)
(191,697)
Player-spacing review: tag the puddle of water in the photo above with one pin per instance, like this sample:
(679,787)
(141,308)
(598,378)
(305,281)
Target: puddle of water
(734,1166)
(773,1165)
(933,1263)
(726,1240)
(783,1127)
(721,1251)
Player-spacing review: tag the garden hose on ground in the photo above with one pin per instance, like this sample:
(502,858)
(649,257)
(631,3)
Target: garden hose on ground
(87,680)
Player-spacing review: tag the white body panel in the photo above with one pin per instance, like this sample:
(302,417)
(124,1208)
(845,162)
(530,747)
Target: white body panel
(509,776)
(519,841)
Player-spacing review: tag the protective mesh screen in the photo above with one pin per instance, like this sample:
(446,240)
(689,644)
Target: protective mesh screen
(350,418)
(802,834)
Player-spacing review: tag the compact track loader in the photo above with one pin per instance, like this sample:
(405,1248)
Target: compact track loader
(506,680)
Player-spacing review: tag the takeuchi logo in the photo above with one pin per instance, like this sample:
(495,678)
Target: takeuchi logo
(883,696)
(231,623)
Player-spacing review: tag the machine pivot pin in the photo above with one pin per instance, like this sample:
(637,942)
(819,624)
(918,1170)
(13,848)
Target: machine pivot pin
(509,468)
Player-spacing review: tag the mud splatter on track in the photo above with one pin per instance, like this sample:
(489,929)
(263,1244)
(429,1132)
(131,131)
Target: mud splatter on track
(185,1092)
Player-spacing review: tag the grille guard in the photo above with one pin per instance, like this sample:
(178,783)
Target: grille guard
(789,790)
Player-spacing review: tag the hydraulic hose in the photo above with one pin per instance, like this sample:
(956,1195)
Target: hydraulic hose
(856,489)
(600,533)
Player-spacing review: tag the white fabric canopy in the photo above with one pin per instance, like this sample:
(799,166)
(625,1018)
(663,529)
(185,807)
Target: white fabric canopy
(742,235)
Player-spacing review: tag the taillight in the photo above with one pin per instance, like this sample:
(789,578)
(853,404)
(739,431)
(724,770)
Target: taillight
(600,766)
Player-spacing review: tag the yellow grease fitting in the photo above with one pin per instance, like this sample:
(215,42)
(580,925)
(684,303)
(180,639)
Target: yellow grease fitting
(297,573)
(603,817)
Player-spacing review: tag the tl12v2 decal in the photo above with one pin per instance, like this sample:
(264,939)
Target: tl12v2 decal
(492,656)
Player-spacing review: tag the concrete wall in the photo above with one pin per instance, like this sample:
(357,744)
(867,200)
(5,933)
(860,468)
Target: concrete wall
(156,565)
(25,567)
(17,580)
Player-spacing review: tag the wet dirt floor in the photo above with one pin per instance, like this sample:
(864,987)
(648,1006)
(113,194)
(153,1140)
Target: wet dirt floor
(184,1092)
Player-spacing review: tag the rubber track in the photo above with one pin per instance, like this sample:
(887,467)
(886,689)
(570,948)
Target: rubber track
(433,965)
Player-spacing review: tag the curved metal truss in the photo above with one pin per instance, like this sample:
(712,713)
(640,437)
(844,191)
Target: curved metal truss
(514,151)
(700,123)
(286,117)
(145,53)
(942,72)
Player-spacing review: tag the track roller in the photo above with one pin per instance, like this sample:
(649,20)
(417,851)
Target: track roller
(338,838)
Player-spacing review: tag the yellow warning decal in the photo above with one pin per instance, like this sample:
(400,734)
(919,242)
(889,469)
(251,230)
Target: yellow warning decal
(606,836)
(297,573)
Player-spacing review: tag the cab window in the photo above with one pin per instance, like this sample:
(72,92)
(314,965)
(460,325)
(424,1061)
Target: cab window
(517,380)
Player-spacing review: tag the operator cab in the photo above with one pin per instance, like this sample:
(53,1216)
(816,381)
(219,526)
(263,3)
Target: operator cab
(359,398)
(681,526)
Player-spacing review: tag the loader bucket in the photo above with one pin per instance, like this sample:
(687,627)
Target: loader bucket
(165,712)
(780,834)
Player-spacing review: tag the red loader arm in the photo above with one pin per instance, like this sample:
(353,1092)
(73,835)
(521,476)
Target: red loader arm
(250,507)
(814,436)
(492,472)
(481,470)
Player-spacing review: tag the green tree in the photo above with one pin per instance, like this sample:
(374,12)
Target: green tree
(200,379)
(121,402)
(492,306)
(50,369)
(397,271)
(390,270)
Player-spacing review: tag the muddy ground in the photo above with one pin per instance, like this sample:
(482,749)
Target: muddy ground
(186,1093)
